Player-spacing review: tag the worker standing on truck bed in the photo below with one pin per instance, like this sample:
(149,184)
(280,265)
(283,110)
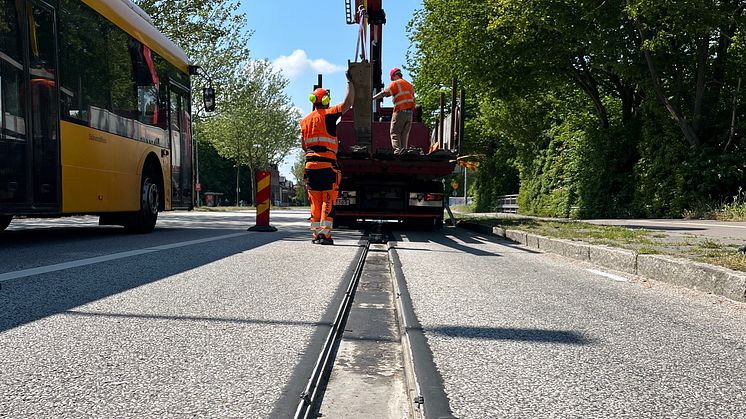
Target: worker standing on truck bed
(321,174)
(404,105)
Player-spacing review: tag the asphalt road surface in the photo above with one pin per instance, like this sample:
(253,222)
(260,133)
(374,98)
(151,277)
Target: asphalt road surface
(203,319)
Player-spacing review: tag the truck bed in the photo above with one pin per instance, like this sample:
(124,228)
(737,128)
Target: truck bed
(378,157)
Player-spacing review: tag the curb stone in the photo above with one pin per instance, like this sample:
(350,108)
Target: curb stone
(696,275)
(683,272)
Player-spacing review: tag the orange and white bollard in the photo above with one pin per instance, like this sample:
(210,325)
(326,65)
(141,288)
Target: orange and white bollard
(262,203)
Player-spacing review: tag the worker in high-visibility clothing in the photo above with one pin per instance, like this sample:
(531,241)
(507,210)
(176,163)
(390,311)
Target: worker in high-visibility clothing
(321,174)
(404,106)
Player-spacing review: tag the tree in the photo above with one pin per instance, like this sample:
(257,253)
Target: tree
(211,32)
(298,170)
(688,47)
(660,79)
(257,126)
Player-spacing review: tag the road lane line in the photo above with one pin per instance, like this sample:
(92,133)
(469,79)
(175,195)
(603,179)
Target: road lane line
(107,258)
(608,275)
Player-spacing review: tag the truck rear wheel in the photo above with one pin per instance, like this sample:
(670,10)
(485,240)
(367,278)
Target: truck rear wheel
(5,221)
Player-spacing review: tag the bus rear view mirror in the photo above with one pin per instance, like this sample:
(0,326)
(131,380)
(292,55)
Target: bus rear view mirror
(208,96)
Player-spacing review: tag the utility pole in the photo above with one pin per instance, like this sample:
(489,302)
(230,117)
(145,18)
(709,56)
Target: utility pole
(238,170)
(465,186)
(196,163)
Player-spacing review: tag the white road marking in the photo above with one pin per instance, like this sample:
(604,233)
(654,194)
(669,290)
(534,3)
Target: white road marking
(106,258)
(608,275)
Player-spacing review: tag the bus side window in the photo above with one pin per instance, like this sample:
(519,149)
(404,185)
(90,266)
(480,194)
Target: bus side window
(84,55)
(13,83)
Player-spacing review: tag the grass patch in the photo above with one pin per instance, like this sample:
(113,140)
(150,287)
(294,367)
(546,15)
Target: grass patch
(690,246)
(709,244)
(466,209)
(730,260)
(570,230)
(733,210)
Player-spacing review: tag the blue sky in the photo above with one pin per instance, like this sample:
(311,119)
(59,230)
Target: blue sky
(305,38)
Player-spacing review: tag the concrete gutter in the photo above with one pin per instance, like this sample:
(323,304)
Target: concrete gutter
(678,271)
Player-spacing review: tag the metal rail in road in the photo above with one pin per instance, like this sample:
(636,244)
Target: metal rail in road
(311,396)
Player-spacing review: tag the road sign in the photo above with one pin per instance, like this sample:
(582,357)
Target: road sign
(454,185)
(197,187)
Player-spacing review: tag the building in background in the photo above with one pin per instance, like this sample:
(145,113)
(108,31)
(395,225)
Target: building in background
(281,189)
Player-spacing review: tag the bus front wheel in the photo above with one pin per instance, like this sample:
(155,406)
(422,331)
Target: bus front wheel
(5,221)
(144,220)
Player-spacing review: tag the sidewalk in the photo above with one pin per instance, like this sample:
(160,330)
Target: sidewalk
(694,254)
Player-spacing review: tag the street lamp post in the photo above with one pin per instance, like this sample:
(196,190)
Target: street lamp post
(196,163)
(465,186)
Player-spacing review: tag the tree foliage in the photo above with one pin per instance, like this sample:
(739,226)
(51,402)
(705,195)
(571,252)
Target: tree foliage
(298,170)
(599,107)
(254,126)
(257,127)
(212,33)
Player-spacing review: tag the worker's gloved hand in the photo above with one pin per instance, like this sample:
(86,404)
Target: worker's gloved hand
(349,77)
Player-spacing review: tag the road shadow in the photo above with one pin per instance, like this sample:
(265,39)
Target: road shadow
(506,242)
(511,334)
(446,239)
(195,319)
(27,299)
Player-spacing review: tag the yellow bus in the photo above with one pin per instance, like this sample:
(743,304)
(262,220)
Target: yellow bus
(95,112)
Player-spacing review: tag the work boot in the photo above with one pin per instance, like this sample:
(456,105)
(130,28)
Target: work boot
(316,240)
(327,241)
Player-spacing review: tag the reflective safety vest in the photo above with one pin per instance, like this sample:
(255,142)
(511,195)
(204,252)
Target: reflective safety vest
(319,145)
(402,93)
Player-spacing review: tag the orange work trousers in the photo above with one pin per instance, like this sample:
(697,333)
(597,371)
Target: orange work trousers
(323,188)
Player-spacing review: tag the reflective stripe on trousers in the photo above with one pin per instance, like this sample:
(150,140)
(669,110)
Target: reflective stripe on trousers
(322,193)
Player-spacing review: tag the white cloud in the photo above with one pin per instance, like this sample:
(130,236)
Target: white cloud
(298,63)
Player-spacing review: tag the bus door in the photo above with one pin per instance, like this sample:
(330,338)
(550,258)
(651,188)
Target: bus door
(44,103)
(29,140)
(181,148)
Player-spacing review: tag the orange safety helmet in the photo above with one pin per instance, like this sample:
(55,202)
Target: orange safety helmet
(320,96)
(394,71)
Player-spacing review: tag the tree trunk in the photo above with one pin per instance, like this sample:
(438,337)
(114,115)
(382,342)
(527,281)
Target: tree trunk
(721,59)
(733,116)
(590,87)
(627,96)
(686,129)
(252,173)
(238,184)
(703,50)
